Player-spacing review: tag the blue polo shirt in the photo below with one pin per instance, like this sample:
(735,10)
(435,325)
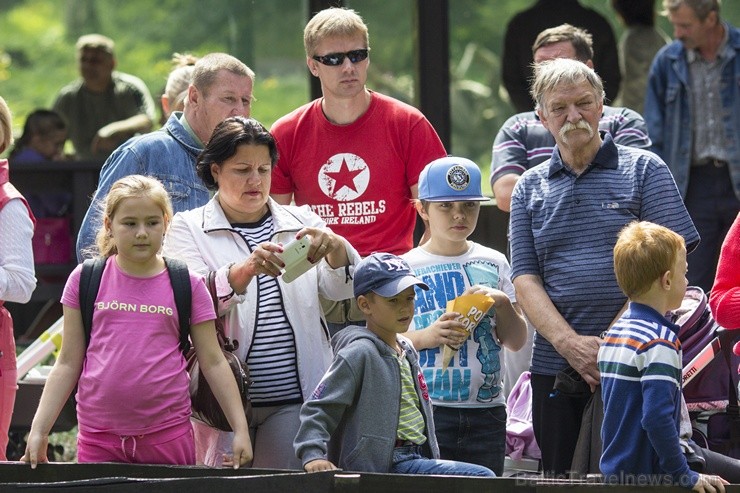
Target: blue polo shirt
(564,226)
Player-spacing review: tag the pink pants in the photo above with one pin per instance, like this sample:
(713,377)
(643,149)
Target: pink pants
(174,446)
(8,377)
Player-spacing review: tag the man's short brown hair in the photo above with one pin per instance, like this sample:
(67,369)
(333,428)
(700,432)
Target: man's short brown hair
(580,39)
(701,8)
(205,70)
(332,22)
(95,42)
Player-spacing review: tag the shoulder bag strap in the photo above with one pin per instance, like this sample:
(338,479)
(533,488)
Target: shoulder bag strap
(180,280)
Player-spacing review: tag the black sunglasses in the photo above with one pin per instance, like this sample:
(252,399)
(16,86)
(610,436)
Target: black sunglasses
(335,59)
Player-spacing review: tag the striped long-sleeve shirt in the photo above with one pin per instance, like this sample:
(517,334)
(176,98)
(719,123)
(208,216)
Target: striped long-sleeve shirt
(640,365)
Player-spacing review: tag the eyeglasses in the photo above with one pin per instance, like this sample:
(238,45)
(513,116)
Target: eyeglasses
(335,59)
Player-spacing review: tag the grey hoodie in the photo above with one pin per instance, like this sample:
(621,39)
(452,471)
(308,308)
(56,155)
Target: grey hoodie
(357,405)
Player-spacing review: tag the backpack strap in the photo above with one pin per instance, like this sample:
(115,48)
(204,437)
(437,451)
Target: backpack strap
(180,280)
(92,272)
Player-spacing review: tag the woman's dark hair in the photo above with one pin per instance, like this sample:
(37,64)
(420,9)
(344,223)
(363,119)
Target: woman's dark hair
(636,12)
(227,136)
(39,122)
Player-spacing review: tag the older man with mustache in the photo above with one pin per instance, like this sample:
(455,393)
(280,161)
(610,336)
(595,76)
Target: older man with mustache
(566,214)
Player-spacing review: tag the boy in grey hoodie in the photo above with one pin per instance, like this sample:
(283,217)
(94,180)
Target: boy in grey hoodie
(371,411)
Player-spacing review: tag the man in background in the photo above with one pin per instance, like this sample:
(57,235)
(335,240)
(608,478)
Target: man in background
(221,87)
(692,109)
(524,27)
(103,108)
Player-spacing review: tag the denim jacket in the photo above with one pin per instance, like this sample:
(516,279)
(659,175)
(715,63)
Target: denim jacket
(668,114)
(168,154)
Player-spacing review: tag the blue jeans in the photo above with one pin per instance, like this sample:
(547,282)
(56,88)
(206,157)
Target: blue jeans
(408,460)
(476,435)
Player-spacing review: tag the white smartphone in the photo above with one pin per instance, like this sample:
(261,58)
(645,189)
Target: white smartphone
(294,256)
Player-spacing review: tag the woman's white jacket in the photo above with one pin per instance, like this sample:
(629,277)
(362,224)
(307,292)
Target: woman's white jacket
(204,238)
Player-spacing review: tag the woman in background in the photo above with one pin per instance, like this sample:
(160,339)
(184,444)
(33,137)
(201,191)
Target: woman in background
(178,81)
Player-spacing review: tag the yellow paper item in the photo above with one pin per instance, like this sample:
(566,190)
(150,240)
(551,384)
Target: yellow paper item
(471,308)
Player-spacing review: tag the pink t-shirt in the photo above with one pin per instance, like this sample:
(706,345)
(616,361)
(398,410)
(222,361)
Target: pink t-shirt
(357,177)
(133,379)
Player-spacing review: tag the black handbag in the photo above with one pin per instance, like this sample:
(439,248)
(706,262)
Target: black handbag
(205,407)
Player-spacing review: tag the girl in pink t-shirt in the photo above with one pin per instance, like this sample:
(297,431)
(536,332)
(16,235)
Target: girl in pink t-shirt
(133,403)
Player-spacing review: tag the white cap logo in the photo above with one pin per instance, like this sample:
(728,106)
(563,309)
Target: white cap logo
(344,177)
(458,178)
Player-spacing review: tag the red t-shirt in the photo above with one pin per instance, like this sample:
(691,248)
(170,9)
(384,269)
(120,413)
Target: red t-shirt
(357,177)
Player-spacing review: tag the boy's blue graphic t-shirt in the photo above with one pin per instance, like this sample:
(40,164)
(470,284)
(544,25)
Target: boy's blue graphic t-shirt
(473,376)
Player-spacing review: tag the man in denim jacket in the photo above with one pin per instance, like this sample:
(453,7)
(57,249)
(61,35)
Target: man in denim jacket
(692,110)
(221,87)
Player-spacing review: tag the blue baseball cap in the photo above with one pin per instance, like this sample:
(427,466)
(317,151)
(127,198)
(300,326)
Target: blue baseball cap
(450,179)
(384,274)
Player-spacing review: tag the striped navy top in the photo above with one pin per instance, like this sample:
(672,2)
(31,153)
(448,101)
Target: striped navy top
(640,365)
(564,227)
(272,358)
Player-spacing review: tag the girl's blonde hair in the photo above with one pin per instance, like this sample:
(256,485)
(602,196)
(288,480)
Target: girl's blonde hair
(132,186)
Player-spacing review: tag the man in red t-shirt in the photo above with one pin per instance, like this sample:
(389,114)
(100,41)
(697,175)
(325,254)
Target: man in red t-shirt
(353,155)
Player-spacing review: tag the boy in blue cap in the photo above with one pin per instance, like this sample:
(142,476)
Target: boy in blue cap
(469,406)
(355,418)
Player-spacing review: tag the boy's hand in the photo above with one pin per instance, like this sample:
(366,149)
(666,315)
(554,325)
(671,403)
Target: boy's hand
(319,465)
(448,330)
(710,484)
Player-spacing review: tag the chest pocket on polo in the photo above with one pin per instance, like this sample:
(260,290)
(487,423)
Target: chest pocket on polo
(623,206)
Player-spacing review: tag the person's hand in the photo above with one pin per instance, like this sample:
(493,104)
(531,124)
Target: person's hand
(323,243)
(710,484)
(241,446)
(581,353)
(319,465)
(264,260)
(36,448)
(447,329)
(499,297)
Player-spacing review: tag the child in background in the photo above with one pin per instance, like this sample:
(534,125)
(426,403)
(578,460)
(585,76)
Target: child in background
(371,410)
(469,406)
(133,404)
(44,134)
(640,365)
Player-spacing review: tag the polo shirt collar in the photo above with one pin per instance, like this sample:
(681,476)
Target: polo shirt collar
(607,156)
